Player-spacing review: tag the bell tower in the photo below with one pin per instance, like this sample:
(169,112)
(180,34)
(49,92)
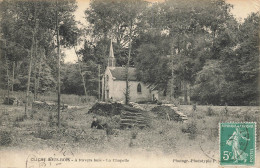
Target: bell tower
(111,58)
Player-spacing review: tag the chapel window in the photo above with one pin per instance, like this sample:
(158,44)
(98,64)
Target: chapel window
(139,88)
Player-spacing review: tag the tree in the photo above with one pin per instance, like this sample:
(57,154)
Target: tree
(193,29)
(249,54)
(91,56)
(152,63)
(71,80)
(208,88)
(34,24)
(240,64)
(118,20)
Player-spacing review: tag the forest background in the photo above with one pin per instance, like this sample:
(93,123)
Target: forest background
(205,46)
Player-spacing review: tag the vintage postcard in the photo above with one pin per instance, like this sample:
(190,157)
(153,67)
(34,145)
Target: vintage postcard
(129,83)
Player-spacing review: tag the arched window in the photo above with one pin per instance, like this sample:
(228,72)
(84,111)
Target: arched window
(139,88)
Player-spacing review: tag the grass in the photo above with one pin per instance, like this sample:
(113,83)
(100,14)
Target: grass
(70,99)
(210,112)
(162,136)
(5,138)
(67,98)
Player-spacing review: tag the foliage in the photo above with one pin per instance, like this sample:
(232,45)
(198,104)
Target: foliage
(198,44)
(44,133)
(152,63)
(209,83)
(210,50)
(210,112)
(28,28)
(71,80)
(191,128)
(20,118)
(5,138)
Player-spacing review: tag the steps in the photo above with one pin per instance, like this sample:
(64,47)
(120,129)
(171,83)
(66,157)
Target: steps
(134,118)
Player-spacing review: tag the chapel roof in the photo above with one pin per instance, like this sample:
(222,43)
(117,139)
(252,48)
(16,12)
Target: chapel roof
(119,73)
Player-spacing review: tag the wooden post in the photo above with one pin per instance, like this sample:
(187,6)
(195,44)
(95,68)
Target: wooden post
(58,51)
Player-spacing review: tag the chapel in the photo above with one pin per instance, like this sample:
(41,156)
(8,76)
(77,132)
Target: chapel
(114,84)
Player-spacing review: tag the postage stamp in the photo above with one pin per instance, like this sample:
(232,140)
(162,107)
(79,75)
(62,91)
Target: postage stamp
(237,143)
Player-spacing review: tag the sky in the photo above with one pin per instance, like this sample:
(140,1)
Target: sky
(241,9)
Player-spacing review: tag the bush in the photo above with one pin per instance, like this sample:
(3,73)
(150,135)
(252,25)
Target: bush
(43,134)
(5,138)
(210,112)
(77,135)
(191,128)
(226,110)
(20,118)
(109,131)
(134,134)
(40,118)
(199,116)
(248,118)
(16,124)
(51,121)
(64,124)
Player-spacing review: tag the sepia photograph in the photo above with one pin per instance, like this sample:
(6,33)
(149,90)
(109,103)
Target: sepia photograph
(129,83)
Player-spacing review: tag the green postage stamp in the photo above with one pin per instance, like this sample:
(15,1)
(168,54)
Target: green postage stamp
(237,143)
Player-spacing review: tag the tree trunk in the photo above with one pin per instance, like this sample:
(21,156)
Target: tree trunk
(39,75)
(98,82)
(35,83)
(186,93)
(7,74)
(58,64)
(172,74)
(103,89)
(29,76)
(30,62)
(13,78)
(127,92)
